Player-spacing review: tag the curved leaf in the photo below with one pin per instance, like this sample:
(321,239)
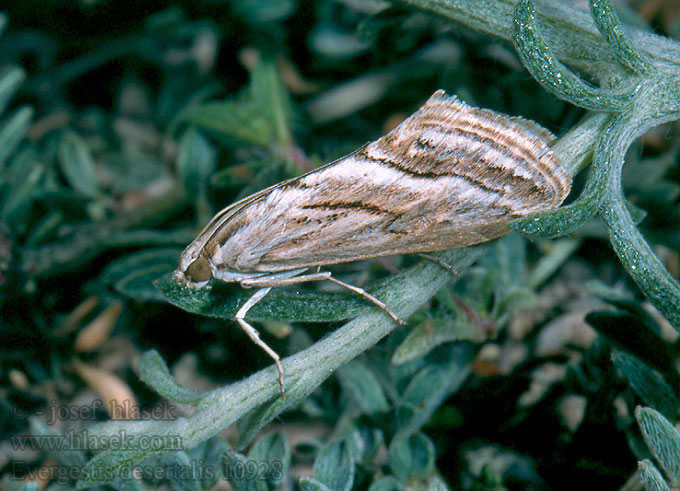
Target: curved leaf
(553,75)
(610,27)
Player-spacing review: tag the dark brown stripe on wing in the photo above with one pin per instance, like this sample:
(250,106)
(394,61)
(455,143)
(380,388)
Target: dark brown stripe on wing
(536,151)
(418,174)
(483,121)
(348,205)
(508,151)
(488,173)
(440,160)
(513,138)
(549,184)
(485,130)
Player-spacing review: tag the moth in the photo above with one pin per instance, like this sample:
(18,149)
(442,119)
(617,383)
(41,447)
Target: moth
(450,175)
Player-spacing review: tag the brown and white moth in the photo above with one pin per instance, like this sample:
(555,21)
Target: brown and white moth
(449,176)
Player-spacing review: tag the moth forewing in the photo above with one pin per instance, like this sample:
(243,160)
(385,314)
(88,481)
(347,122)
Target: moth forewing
(448,176)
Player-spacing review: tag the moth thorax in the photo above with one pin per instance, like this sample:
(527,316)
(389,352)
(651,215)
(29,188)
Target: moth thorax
(199,271)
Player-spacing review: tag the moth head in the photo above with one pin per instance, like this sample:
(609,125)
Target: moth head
(195,272)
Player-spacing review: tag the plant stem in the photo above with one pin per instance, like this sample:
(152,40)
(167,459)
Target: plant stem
(569,31)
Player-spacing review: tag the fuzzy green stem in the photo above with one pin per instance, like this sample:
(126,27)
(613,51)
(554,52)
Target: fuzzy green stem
(305,371)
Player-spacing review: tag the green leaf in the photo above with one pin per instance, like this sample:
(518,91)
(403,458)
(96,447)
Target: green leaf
(386,483)
(119,269)
(297,390)
(662,438)
(624,300)
(273,449)
(242,121)
(411,456)
(222,301)
(125,485)
(363,387)
(77,165)
(181,466)
(553,75)
(74,454)
(133,275)
(154,372)
(211,454)
(139,286)
(146,238)
(311,484)
(363,440)
(250,424)
(240,175)
(263,11)
(261,117)
(557,253)
(3,22)
(243,474)
(430,333)
(334,467)
(629,333)
(514,299)
(558,222)
(637,214)
(648,384)
(437,484)
(651,478)
(610,294)
(13,131)
(45,229)
(508,263)
(431,385)
(10,81)
(85,243)
(22,194)
(268,90)
(196,162)
(105,467)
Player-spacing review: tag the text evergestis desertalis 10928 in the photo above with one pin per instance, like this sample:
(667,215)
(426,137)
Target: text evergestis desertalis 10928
(448,176)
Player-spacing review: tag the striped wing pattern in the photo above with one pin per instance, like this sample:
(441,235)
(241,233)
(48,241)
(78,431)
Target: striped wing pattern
(450,175)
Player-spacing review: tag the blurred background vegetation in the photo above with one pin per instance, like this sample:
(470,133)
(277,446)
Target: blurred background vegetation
(125,126)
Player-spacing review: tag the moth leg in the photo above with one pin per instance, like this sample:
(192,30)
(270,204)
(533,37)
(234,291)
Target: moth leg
(255,336)
(273,282)
(326,275)
(368,296)
(442,264)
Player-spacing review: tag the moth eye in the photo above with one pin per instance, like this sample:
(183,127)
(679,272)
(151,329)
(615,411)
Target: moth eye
(199,270)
